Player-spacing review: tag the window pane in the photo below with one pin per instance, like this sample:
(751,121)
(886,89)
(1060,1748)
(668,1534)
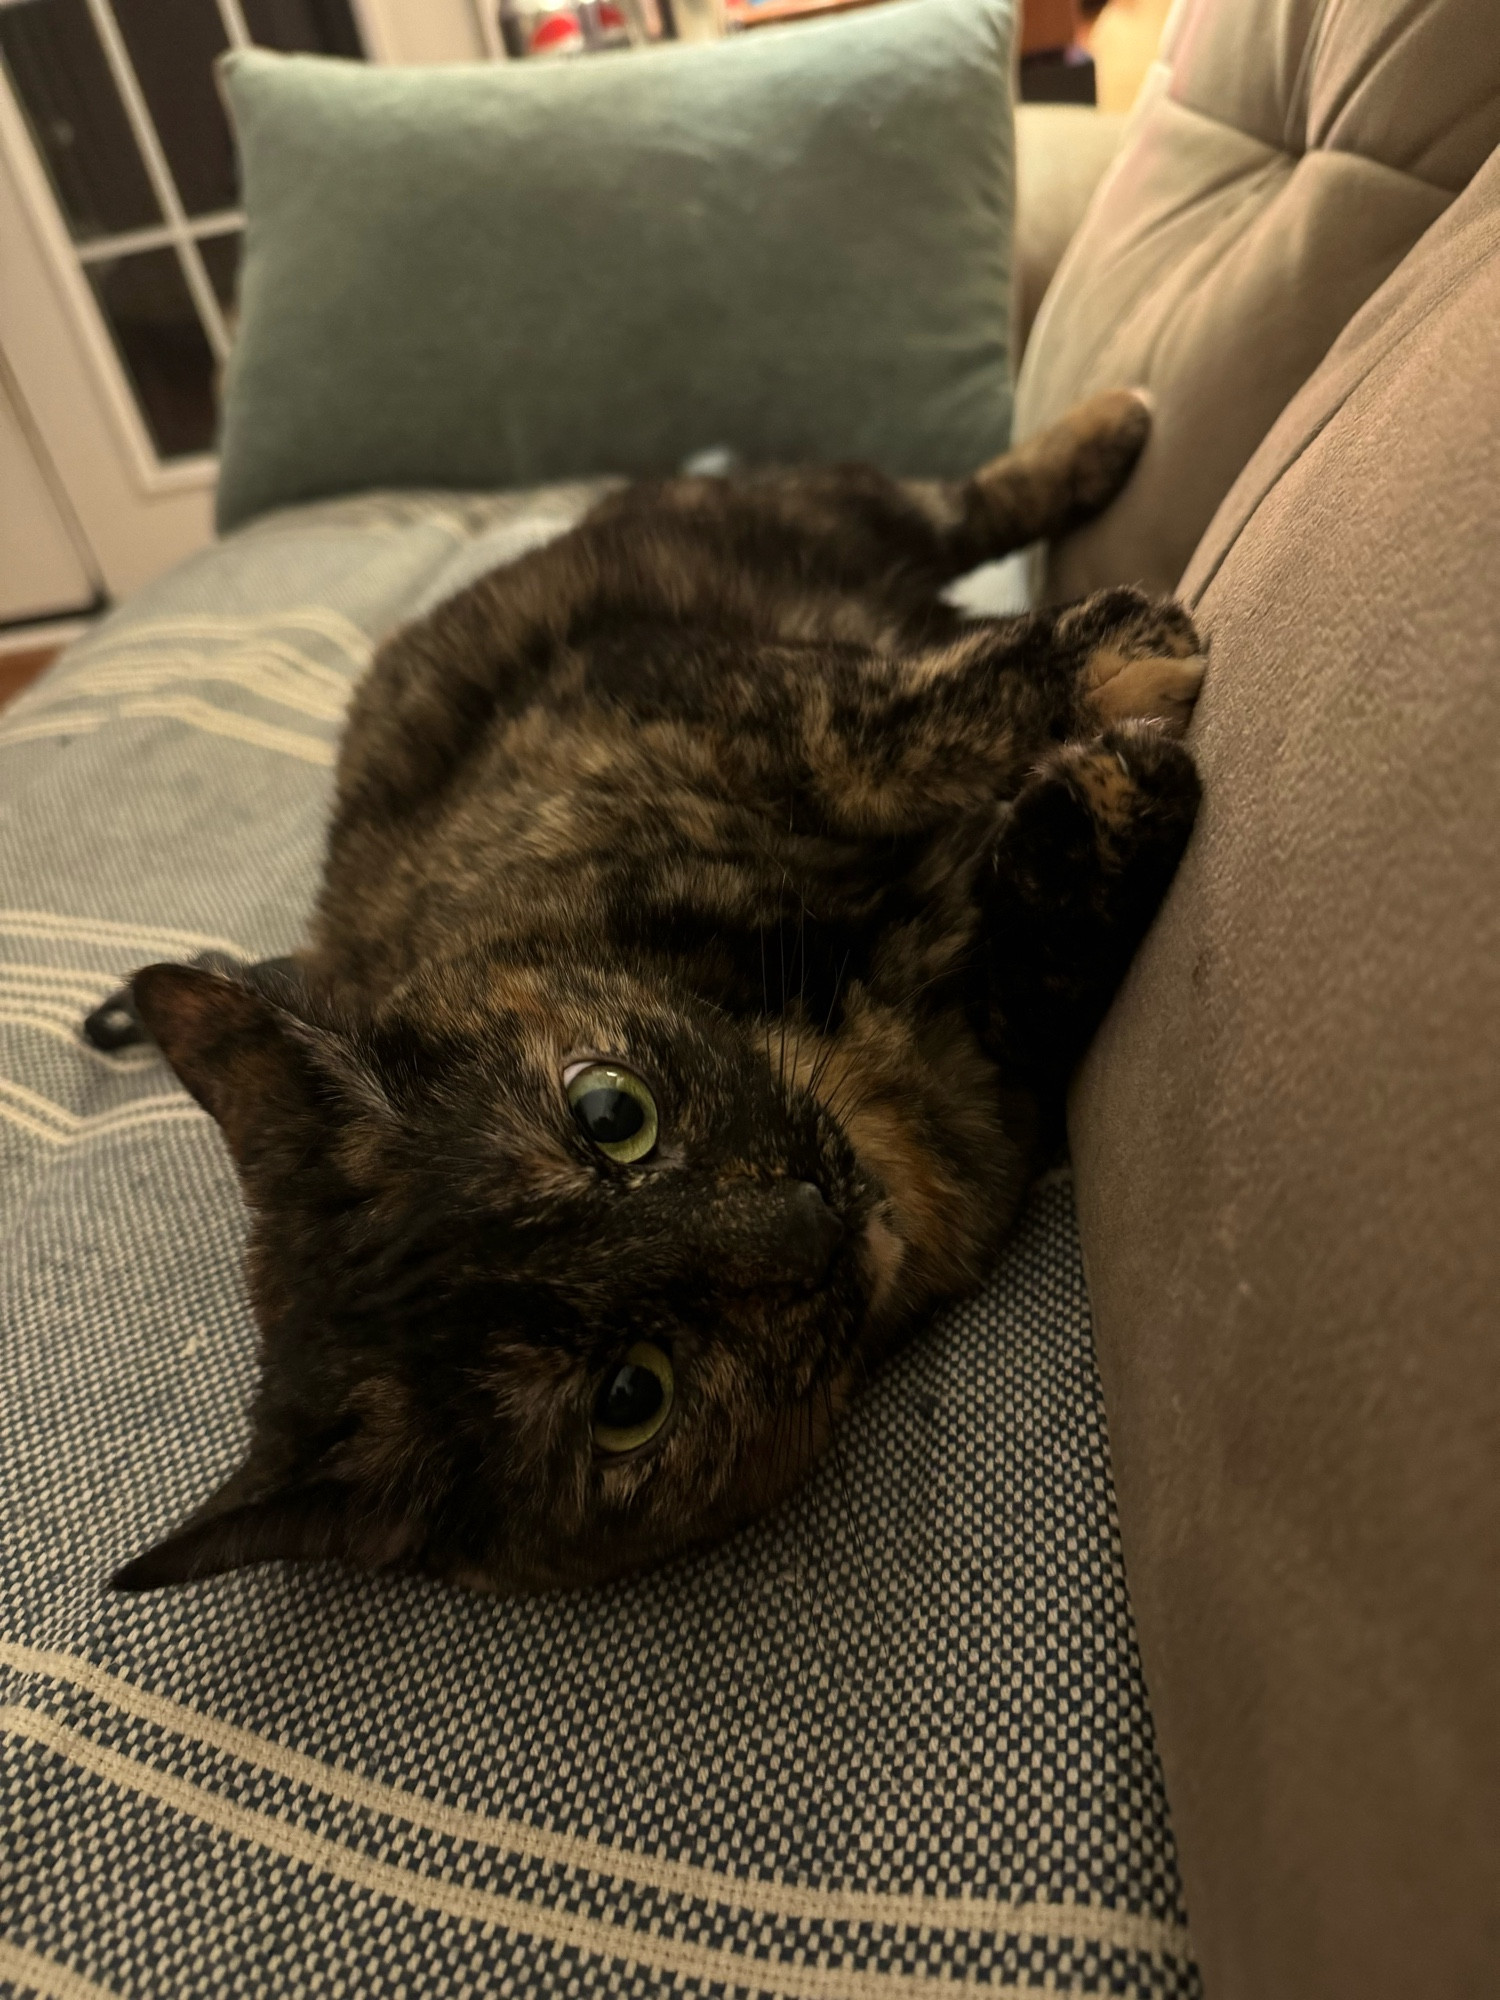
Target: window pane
(326,27)
(76,117)
(165,351)
(172,46)
(221,259)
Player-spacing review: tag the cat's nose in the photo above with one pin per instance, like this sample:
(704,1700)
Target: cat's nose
(812,1230)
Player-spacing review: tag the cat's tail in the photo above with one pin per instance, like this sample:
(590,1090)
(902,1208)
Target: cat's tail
(1054,482)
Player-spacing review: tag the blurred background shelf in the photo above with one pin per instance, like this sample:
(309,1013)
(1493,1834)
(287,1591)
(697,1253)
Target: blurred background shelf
(748,14)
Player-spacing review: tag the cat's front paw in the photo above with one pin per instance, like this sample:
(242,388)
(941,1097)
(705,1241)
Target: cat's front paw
(1142,659)
(1140,786)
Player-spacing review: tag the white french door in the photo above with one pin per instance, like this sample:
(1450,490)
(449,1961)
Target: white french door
(119,243)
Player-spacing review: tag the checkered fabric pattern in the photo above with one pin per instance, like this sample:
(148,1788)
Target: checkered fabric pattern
(893,1740)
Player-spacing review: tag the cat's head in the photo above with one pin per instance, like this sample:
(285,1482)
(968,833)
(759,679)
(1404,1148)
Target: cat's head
(566,1278)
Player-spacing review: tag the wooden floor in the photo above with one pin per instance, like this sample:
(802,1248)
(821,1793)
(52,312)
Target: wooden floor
(18,670)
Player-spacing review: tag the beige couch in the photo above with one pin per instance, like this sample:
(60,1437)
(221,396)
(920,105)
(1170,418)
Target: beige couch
(1287,1139)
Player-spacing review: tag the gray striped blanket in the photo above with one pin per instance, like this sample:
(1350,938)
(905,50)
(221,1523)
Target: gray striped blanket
(892,1741)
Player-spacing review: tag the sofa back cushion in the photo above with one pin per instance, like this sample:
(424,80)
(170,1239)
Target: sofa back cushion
(793,244)
(1284,157)
(1287,1142)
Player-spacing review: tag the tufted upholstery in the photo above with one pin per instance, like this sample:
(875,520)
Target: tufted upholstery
(1284,157)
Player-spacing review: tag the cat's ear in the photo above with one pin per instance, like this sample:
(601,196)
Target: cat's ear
(240,1526)
(258,1069)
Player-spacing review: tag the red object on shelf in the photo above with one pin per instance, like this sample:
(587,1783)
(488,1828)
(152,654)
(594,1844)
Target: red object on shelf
(562,27)
(555,34)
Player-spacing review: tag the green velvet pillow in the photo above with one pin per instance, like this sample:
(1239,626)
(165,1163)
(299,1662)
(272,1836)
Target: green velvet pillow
(794,243)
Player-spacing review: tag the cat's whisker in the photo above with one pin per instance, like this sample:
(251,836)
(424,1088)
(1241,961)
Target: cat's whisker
(845,1094)
(781,1007)
(787,887)
(833,998)
(802,978)
(825,1055)
(765,997)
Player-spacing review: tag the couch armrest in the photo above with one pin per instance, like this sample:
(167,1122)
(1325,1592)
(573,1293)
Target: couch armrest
(1287,1145)
(1062,151)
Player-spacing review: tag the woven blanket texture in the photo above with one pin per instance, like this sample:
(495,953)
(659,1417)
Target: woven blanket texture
(892,1741)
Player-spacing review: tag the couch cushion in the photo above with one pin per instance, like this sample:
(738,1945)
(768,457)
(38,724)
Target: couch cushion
(1287,1140)
(793,244)
(892,1740)
(1285,156)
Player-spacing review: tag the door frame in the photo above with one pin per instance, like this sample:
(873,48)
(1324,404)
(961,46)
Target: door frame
(138,514)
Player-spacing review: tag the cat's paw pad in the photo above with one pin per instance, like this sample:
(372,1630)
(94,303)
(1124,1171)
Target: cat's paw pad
(1156,687)
(1140,657)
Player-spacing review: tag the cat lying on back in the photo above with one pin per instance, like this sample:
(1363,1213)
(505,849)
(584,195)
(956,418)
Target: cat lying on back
(711,921)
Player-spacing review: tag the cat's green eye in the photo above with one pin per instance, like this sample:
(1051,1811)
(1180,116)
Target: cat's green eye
(635,1401)
(613,1108)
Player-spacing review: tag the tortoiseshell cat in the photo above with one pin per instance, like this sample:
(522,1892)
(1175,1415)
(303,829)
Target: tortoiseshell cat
(711,921)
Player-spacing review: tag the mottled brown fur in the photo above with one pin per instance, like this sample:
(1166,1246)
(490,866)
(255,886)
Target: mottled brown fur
(716,787)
